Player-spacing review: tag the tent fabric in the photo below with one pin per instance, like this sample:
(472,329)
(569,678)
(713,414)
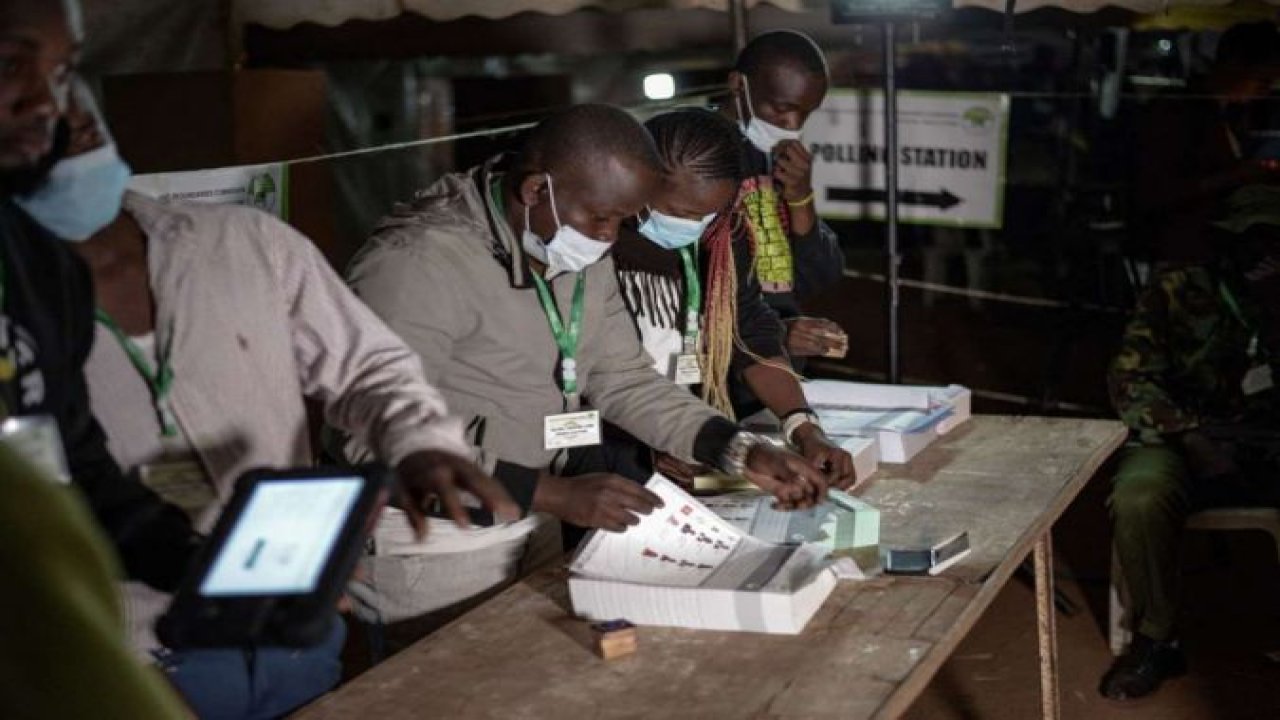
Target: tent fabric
(1144,7)
(283,14)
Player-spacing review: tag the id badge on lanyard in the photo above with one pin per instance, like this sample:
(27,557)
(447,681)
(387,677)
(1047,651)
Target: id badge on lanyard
(37,439)
(1257,379)
(686,367)
(576,428)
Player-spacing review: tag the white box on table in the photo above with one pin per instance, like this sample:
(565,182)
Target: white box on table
(904,419)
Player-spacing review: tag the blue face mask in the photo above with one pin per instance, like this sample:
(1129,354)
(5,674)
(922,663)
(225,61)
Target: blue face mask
(673,233)
(82,194)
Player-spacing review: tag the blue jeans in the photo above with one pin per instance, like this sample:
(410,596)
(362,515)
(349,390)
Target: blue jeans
(256,683)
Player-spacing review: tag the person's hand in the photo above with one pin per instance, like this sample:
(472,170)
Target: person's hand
(793,168)
(815,337)
(1208,458)
(596,500)
(793,481)
(678,470)
(832,460)
(435,475)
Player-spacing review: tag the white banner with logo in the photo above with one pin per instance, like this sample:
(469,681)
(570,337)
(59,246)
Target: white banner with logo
(265,187)
(952,150)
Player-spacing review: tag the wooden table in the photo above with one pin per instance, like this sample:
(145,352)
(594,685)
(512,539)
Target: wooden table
(868,653)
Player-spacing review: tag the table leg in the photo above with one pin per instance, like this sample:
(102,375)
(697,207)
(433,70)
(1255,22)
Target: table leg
(1046,626)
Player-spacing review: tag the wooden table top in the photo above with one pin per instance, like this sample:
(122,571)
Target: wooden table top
(868,653)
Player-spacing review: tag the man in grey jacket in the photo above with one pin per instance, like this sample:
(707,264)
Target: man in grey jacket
(500,279)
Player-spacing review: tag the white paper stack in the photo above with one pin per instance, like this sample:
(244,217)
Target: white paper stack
(684,566)
(904,419)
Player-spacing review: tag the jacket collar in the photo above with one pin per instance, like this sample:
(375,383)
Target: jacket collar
(506,246)
(169,232)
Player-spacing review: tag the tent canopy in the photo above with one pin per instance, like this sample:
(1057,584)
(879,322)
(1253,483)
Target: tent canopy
(283,14)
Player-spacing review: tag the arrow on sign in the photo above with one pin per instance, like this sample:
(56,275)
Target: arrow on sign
(943,199)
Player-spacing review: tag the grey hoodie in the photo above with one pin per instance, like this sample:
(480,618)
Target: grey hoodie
(448,275)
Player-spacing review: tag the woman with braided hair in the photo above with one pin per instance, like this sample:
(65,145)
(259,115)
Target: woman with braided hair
(691,289)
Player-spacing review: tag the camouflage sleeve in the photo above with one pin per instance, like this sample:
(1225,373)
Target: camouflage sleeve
(1137,378)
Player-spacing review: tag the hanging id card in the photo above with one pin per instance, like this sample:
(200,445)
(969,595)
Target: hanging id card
(570,430)
(37,439)
(685,369)
(181,482)
(1257,379)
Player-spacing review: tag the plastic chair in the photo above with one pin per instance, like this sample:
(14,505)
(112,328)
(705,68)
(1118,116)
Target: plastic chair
(1244,518)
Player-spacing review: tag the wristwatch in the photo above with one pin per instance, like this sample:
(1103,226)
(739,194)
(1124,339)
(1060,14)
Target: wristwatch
(792,422)
(734,458)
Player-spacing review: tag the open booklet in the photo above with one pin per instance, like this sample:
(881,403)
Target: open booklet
(684,566)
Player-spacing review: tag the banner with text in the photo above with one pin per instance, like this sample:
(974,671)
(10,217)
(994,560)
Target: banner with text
(265,187)
(951,156)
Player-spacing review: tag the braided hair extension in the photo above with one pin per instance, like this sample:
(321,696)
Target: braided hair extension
(719,314)
(706,144)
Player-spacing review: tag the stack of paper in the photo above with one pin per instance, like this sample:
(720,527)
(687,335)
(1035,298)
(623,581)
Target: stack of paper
(904,419)
(684,566)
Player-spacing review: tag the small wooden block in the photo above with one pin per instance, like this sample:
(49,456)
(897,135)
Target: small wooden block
(614,638)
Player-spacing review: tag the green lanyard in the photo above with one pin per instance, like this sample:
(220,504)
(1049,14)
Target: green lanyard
(159,379)
(692,300)
(1230,298)
(566,338)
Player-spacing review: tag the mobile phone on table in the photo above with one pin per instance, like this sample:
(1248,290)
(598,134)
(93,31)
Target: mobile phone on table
(277,561)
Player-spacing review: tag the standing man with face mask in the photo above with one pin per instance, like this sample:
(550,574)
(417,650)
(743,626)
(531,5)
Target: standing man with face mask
(62,653)
(47,298)
(499,278)
(780,78)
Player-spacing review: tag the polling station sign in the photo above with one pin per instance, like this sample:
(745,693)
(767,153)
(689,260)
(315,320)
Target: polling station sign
(265,187)
(951,156)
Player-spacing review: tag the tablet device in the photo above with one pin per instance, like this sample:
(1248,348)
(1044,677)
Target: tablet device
(277,561)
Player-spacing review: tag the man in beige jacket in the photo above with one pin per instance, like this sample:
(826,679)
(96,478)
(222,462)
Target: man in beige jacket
(214,324)
(499,278)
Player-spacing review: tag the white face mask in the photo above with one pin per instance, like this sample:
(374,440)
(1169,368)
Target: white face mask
(568,250)
(764,136)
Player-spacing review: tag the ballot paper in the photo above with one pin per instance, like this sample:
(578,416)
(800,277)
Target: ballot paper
(684,566)
(903,419)
(841,524)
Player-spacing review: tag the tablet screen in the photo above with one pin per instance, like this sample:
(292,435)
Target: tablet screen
(283,538)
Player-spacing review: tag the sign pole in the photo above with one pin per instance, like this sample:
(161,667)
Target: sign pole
(892,260)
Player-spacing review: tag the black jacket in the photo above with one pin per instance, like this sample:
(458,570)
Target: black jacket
(47,332)
(758,324)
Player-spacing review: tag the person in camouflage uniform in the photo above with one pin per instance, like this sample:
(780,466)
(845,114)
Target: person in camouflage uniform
(1193,378)
(1193,382)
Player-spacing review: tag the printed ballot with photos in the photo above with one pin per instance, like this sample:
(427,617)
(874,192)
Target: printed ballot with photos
(685,566)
